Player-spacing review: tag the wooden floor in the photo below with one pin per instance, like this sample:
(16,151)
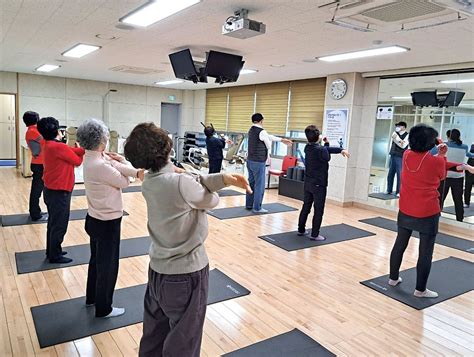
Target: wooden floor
(315,290)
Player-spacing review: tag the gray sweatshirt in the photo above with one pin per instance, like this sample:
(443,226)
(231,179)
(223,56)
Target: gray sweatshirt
(177,218)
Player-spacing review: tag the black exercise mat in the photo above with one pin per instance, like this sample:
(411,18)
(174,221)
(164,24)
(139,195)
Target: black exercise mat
(226,193)
(28,262)
(447,240)
(337,233)
(468,212)
(135,188)
(293,343)
(449,277)
(239,212)
(383,196)
(71,320)
(24,219)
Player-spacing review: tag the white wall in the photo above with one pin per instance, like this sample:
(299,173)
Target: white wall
(8,82)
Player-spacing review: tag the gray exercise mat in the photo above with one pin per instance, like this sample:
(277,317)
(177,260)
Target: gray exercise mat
(293,343)
(227,193)
(135,188)
(468,212)
(33,261)
(25,219)
(383,196)
(71,320)
(337,233)
(447,240)
(449,277)
(239,212)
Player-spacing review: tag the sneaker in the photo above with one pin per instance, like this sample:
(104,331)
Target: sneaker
(116,311)
(90,305)
(398,195)
(305,233)
(394,282)
(60,260)
(318,238)
(248,208)
(63,252)
(466,206)
(42,218)
(426,294)
(261,210)
(388,193)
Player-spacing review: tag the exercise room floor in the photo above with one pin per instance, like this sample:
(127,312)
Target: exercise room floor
(316,290)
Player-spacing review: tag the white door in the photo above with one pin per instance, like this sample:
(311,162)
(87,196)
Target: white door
(7,127)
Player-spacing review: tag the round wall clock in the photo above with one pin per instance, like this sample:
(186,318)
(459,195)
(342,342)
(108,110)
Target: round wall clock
(338,89)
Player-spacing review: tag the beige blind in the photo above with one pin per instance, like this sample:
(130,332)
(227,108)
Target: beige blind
(241,108)
(272,102)
(216,108)
(307,103)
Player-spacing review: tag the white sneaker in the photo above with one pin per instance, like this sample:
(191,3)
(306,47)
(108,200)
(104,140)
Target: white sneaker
(426,294)
(261,210)
(466,206)
(394,282)
(116,311)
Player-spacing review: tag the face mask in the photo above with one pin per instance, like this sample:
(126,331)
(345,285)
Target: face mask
(398,129)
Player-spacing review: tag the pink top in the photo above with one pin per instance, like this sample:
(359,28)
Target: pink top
(104,179)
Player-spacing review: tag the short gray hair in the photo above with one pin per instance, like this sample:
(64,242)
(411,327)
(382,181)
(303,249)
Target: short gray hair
(92,133)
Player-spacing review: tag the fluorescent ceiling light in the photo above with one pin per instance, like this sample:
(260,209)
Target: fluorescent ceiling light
(80,50)
(400,98)
(167,83)
(365,53)
(454,81)
(155,11)
(247,71)
(47,68)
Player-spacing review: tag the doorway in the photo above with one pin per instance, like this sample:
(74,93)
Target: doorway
(7,130)
(171,118)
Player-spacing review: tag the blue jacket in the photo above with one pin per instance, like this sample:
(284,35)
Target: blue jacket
(214,148)
(317,159)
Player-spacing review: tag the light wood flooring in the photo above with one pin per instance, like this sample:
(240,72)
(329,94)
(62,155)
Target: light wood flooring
(316,290)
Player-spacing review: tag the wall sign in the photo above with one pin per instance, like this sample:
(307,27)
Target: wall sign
(171,98)
(385,113)
(335,124)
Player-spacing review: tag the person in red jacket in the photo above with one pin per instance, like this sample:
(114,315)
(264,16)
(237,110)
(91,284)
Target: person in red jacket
(419,207)
(59,163)
(35,143)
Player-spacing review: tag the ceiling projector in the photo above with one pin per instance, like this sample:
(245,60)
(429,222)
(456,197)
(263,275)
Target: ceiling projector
(240,26)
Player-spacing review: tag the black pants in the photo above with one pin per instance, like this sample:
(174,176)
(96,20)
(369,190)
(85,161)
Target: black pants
(175,308)
(104,263)
(425,255)
(457,188)
(468,188)
(59,205)
(313,195)
(37,186)
(215,166)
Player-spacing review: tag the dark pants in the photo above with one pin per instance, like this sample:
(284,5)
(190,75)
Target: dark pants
(37,186)
(175,308)
(425,255)
(468,188)
(257,184)
(313,195)
(58,204)
(457,187)
(395,167)
(104,263)
(215,166)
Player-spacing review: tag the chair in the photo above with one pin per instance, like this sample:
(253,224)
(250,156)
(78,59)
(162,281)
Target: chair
(288,161)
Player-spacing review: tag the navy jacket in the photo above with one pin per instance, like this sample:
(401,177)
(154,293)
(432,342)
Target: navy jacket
(317,159)
(214,148)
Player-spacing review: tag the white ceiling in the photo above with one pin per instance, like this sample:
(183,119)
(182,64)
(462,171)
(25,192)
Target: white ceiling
(34,32)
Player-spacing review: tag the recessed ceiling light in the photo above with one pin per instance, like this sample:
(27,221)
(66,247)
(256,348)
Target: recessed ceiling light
(365,53)
(401,98)
(277,65)
(167,83)
(80,50)
(47,68)
(310,60)
(248,71)
(454,81)
(155,11)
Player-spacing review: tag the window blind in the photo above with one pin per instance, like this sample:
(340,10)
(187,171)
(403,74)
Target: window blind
(307,103)
(272,102)
(241,105)
(216,108)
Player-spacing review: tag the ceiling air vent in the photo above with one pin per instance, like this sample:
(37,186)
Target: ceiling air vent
(135,70)
(400,11)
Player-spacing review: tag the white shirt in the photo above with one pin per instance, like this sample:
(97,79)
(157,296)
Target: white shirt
(403,143)
(267,138)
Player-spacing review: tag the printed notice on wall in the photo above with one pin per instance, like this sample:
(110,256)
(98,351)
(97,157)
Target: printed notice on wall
(385,113)
(336,121)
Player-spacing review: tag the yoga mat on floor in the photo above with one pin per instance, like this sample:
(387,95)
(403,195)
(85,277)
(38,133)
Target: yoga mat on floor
(226,193)
(7,163)
(337,233)
(383,196)
(293,343)
(70,320)
(135,188)
(449,277)
(29,262)
(24,219)
(447,240)
(239,212)
(468,212)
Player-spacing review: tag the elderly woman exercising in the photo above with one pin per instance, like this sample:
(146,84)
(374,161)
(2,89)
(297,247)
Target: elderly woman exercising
(105,174)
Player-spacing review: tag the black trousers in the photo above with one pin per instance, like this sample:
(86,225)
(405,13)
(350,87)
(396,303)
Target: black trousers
(457,187)
(175,308)
(59,205)
(313,195)
(37,186)
(103,264)
(215,166)
(468,188)
(425,255)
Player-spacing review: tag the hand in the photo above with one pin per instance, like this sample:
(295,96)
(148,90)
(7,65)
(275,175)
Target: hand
(345,153)
(230,142)
(179,170)
(469,168)
(287,142)
(116,157)
(325,140)
(141,174)
(237,180)
(394,135)
(442,150)
(76,145)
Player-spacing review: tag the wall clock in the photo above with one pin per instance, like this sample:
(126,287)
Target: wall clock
(338,89)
